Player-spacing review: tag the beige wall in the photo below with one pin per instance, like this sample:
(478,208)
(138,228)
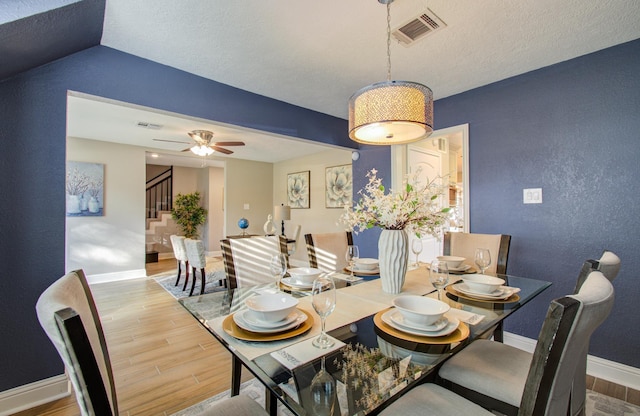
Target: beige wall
(114,242)
(249,183)
(317,218)
(215,225)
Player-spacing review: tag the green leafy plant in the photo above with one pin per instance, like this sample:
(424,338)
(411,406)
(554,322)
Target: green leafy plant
(189,214)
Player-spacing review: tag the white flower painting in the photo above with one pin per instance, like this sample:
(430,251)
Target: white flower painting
(298,189)
(338,186)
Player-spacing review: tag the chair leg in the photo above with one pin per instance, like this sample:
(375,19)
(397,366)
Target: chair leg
(186,273)
(193,280)
(179,271)
(203,280)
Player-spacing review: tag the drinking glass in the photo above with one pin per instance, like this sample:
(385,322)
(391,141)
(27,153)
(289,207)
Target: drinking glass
(323,299)
(323,392)
(278,266)
(416,247)
(483,259)
(439,275)
(352,255)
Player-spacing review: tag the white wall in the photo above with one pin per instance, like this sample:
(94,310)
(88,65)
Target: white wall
(316,219)
(249,183)
(215,221)
(114,242)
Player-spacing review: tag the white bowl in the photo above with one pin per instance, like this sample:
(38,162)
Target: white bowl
(420,310)
(453,262)
(366,264)
(482,283)
(271,307)
(305,274)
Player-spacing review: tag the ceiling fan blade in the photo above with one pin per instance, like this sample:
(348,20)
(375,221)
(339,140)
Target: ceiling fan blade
(186,150)
(228,144)
(170,141)
(221,150)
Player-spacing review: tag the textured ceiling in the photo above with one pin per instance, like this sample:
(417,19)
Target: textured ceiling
(315,54)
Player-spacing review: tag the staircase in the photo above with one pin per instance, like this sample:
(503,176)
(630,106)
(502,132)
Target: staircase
(157,234)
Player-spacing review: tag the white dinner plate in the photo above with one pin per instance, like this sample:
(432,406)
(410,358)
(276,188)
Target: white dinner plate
(364,271)
(250,318)
(289,281)
(503,292)
(397,317)
(462,268)
(238,318)
(451,326)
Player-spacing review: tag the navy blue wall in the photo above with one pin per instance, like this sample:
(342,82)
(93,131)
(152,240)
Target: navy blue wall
(32,167)
(572,129)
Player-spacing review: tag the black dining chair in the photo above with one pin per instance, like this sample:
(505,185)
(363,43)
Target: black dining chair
(479,371)
(68,314)
(547,387)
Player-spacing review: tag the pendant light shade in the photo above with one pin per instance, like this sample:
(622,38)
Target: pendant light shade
(391,112)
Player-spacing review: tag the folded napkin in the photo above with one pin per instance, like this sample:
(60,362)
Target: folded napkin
(464,316)
(303,352)
(347,277)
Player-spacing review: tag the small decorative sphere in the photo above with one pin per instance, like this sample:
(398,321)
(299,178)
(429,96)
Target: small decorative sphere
(243,223)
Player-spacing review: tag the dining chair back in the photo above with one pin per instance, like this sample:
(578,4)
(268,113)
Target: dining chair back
(465,245)
(326,251)
(180,254)
(569,323)
(246,260)
(68,314)
(198,261)
(292,243)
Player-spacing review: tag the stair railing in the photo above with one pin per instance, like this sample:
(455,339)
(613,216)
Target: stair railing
(159,195)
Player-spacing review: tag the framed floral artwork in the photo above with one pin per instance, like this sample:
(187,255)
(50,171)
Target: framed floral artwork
(338,186)
(298,189)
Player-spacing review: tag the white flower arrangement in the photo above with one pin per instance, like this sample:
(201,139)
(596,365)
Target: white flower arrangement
(417,209)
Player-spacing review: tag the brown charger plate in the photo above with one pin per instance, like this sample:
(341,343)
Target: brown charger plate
(511,299)
(229,326)
(460,334)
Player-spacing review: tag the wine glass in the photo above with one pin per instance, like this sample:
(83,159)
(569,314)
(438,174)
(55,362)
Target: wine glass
(323,299)
(483,259)
(352,255)
(439,275)
(323,392)
(416,247)
(278,267)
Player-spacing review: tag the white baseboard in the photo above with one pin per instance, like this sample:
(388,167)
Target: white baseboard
(34,394)
(597,367)
(116,276)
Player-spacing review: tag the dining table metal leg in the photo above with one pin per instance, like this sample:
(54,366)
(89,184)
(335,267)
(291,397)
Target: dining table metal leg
(236,373)
(270,402)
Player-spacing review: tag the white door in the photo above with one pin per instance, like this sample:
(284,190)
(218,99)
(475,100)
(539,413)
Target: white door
(431,164)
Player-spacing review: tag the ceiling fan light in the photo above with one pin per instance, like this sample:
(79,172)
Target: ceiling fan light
(202,150)
(391,112)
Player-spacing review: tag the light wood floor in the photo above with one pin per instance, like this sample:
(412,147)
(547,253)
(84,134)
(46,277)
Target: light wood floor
(163,359)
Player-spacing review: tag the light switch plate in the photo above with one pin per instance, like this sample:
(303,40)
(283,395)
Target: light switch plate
(532,196)
(246,206)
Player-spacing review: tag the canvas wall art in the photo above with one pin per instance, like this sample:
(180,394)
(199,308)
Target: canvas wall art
(298,194)
(85,189)
(338,186)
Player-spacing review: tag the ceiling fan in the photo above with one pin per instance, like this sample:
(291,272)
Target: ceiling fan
(203,145)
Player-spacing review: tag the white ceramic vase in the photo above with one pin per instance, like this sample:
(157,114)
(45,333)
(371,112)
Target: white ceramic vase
(94,206)
(73,204)
(393,256)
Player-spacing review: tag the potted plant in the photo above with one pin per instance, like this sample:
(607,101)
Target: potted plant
(189,214)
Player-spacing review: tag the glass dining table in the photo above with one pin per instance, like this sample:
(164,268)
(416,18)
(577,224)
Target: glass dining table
(374,360)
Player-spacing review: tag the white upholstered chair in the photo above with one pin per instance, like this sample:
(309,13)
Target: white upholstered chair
(547,386)
(465,245)
(292,243)
(327,251)
(180,253)
(67,313)
(198,262)
(495,374)
(247,260)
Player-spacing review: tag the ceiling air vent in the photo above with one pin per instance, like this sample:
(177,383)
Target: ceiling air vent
(147,125)
(418,27)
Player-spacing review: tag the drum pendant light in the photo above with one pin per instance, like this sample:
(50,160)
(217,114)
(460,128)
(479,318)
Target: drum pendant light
(391,112)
